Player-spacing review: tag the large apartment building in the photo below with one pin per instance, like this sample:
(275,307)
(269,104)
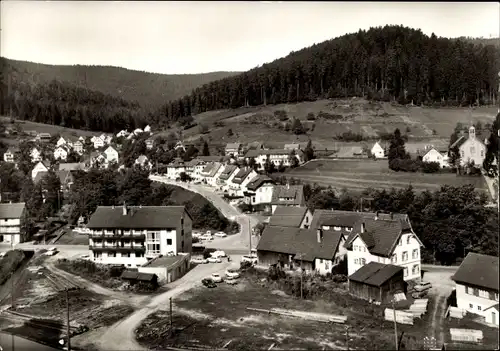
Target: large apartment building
(133,235)
(11,217)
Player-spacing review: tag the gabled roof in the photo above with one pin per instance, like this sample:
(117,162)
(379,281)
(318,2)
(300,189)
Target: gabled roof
(12,211)
(132,275)
(296,241)
(142,159)
(233,146)
(380,236)
(292,146)
(258,181)
(478,270)
(11,150)
(228,171)
(287,216)
(270,152)
(481,136)
(294,192)
(349,218)
(375,274)
(145,217)
(242,175)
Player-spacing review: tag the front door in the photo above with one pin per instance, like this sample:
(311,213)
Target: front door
(493,318)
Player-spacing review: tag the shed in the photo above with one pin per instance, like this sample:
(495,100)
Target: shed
(136,277)
(377,282)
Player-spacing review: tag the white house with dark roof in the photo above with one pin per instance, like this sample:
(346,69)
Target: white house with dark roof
(295,217)
(287,195)
(61,152)
(233,149)
(134,235)
(150,142)
(276,156)
(9,156)
(211,173)
(433,155)
(78,147)
(291,248)
(227,175)
(143,161)
(238,185)
(477,286)
(175,169)
(378,150)
(36,155)
(259,190)
(60,142)
(194,168)
(471,148)
(42,166)
(99,142)
(11,220)
(111,154)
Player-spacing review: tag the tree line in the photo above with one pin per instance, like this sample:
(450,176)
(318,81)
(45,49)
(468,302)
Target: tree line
(389,63)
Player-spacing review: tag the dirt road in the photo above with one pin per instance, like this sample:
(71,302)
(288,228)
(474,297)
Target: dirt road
(121,336)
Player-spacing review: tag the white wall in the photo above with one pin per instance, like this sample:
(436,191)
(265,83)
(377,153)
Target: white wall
(306,222)
(323,266)
(106,258)
(377,151)
(10,229)
(246,181)
(435,156)
(39,167)
(264,194)
(474,150)
(475,304)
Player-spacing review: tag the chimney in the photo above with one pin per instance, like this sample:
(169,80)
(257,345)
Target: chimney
(319,235)
(363,228)
(392,215)
(376,215)
(125,209)
(288,185)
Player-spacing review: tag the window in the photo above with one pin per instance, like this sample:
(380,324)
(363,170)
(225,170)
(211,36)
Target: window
(394,258)
(468,290)
(153,236)
(484,293)
(112,254)
(482,153)
(471,305)
(496,296)
(356,261)
(355,247)
(153,248)
(476,292)
(321,261)
(479,308)
(414,254)
(400,242)
(405,256)
(408,238)
(406,271)
(415,269)
(362,261)
(327,264)
(462,153)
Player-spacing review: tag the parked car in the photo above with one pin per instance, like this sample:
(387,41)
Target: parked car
(232,274)
(214,260)
(209,283)
(419,294)
(249,258)
(218,253)
(206,237)
(422,286)
(208,232)
(216,277)
(51,252)
(198,260)
(232,281)
(85,257)
(196,234)
(220,234)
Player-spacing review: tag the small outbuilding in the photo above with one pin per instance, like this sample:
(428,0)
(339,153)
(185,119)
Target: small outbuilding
(377,282)
(133,277)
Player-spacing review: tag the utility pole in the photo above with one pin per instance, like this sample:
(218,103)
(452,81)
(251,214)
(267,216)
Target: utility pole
(67,319)
(171,318)
(250,236)
(347,337)
(395,326)
(301,279)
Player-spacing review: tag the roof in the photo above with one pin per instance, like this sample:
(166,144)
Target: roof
(211,158)
(259,152)
(71,166)
(292,146)
(44,135)
(131,275)
(294,192)
(287,216)
(63,175)
(375,274)
(380,236)
(233,146)
(494,306)
(242,175)
(164,261)
(296,241)
(478,270)
(349,218)
(214,169)
(480,135)
(12,150)
(349,151)
(258,181)
(152,217)
(10,211)
(228,170)
(142,159)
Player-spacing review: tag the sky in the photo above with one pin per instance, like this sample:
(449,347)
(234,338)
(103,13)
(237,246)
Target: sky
(197,37)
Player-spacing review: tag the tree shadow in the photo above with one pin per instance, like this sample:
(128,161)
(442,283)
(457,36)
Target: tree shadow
(42,331)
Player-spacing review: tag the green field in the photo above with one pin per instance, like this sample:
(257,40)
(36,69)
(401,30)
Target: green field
(361,174)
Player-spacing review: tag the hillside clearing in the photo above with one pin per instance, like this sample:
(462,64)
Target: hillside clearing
(48,128)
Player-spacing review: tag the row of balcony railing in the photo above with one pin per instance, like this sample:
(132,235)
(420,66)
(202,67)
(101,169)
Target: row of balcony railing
(123,248)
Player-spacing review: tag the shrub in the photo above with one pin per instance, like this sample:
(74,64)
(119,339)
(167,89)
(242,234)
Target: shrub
(339,278)
(430,167)
(281,115)
(10,263)
(310,116)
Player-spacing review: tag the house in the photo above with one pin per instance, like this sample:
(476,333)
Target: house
(11,221)
(138,131)
(9,156)
(122,134)
(296,217)
(98,142)
(227,175)
(276,156)
(44,137)
(147,129)
(133,277)
(61,153)
(133,235)
(287,195)
(382,240)
(143,161)
(477,286)
(211,173)
(98,159)
(111,154)
(377,282)
(259,191)
(78,147)
(377,150)
(233,149)
(108,139)
(167,268)
(471,148)
(238,185)
(179,146)
(72,166)
(82,139)
(349,152)
(175,169)
(290,248)
(60,142)
(150,142)
(194,168)
(36,155)
(434,155)
(42,166)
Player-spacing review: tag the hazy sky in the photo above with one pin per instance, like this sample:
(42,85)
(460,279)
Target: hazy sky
(194,37)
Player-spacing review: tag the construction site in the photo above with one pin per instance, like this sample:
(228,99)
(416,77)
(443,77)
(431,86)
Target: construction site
(36,303)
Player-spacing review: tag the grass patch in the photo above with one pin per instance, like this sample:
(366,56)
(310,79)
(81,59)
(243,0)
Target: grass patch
(10,263)
(71,237)
(104,275)
(490,334)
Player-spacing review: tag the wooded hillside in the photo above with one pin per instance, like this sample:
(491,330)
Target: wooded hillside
(389,63)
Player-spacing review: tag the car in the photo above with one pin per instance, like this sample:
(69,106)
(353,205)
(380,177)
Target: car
(422,286)
(50,253)
(218,253)
(214,260)
(209,232)
(198,260)
(231,281)
(419,294)
(53,248)
(216,277)
(84,257)
(220,235)
(249,258)
(209,283)
(206,237)
(196,235)
(232,274)
(2,254)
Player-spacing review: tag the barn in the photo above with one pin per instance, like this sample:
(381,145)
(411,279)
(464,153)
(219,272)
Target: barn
(377,282)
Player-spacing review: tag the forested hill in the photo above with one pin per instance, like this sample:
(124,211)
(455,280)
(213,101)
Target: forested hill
(149,89)
(392,62)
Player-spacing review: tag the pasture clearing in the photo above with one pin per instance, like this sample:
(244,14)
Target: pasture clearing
(362,174)
(71,237)
(48,128)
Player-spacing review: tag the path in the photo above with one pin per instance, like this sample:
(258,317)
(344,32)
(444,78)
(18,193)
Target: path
(491,186)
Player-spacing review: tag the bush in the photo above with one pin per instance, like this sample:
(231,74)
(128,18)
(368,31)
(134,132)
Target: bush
(329,116)
(281,115)
(310,116)
(233,227)
(350,136)
(430,167)
(245,207)
(339,278)
(10,263)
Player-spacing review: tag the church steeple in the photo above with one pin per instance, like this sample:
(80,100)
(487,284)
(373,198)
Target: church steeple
(472,132)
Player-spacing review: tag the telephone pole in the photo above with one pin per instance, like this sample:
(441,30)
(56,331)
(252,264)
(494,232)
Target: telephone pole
(171,318)
(347,337)
(396,341)
(67,319)
(250,237)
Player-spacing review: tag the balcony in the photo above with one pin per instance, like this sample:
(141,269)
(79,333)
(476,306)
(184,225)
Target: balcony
(119,236)
(9,230)
(116,248)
